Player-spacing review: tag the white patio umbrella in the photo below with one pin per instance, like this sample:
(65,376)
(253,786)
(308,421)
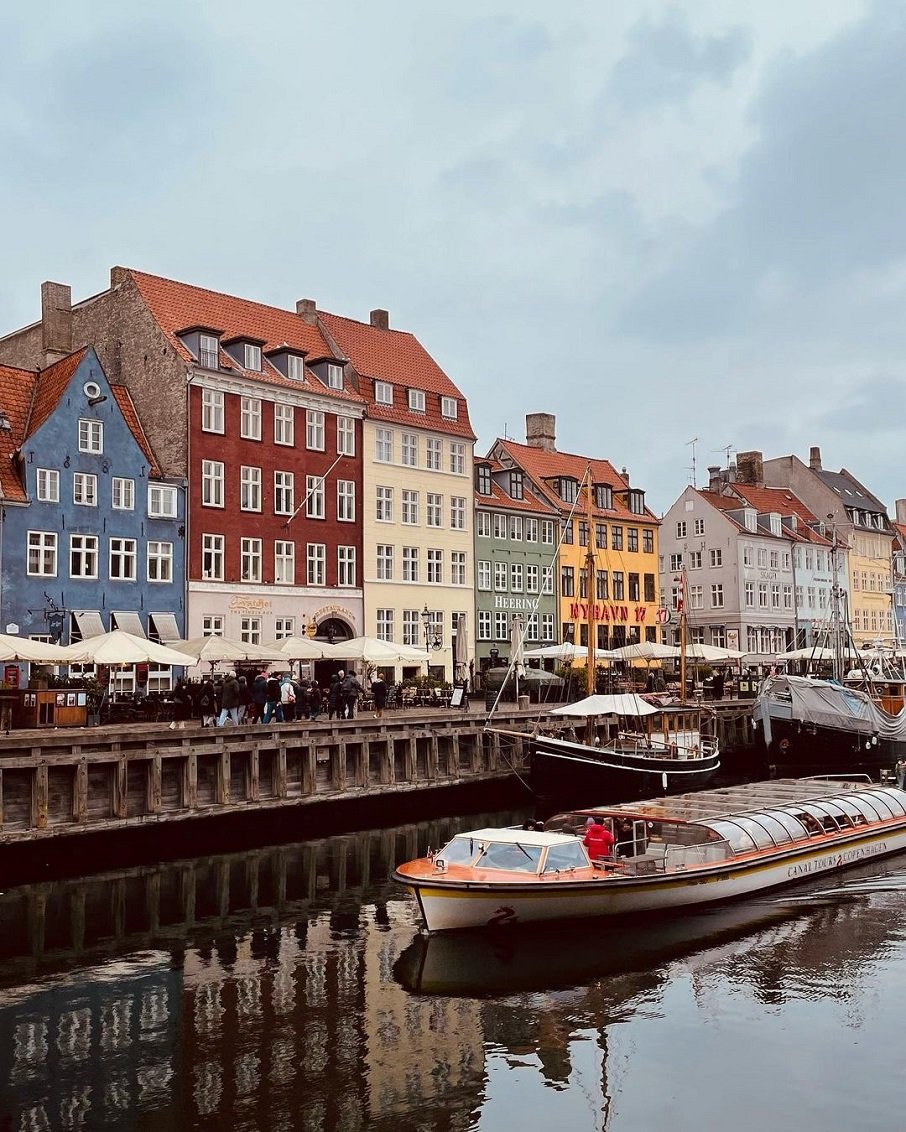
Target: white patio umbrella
(711,653)
(121,648)
(517,649)
(647,650)
(217,650)
(302,648)
(566,652)
(374,651)
(14,648)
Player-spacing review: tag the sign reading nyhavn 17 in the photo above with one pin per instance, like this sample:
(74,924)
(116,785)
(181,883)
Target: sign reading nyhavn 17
(603,611)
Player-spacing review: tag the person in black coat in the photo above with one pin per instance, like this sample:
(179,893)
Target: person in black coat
(274,705)
(334,695)
(379,691)
(259,697)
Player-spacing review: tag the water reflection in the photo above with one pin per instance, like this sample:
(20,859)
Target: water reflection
(290,988)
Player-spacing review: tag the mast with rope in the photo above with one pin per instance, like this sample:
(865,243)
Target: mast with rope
(589,587)
(681,610)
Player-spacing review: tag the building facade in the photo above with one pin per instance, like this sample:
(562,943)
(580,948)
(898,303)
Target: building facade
(93,534)
(611,516)
(857,521)
(515,562)
(417,455)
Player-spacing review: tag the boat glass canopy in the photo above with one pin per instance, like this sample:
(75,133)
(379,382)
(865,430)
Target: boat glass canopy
(764,829)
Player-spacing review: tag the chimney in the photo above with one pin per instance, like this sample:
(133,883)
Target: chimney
(118,275)
(380,319)
(814,459)
(714,478)
(900,506)
(541,431)
(750,468)
(307,310)
(56,321)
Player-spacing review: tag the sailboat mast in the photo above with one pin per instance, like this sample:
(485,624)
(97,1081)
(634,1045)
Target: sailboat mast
(590,590)
(682,635)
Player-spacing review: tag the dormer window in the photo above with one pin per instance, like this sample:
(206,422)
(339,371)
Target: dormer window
(751,519)
(483,479)
(383,393)
(334,376)
(568,489)
(637,501)
(417,400)
(295,367)
(516,484)
(603,497)
(449,408)
(776,525)
(252,357)
(208,351)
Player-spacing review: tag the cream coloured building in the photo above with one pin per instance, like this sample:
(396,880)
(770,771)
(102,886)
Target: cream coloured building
(417,467)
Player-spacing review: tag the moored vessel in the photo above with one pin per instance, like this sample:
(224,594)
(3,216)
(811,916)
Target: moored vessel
(668,853)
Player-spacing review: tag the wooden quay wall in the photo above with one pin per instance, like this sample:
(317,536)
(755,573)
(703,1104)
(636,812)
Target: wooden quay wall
(61,783)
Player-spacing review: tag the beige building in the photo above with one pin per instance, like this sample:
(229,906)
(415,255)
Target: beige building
(417,535)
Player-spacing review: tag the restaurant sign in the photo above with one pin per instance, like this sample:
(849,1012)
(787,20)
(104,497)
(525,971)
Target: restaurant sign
(606,611)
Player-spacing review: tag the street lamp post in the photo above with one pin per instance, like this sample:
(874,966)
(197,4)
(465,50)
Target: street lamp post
(426,621)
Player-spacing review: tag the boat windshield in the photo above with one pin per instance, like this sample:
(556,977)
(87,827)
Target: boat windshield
(560,857)
(460,851)
(510,855)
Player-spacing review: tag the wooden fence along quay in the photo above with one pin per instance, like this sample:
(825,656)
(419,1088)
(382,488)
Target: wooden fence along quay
(58,785)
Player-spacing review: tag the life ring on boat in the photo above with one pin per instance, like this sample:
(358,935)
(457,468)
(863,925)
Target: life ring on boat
(784,745)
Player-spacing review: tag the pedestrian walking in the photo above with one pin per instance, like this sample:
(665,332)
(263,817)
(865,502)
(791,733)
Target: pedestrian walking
(379,691)
(350,690)
(229,701)
(334,695)
(273,705)
(288,698)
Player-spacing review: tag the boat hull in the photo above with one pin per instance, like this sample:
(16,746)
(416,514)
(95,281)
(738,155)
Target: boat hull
(459,906)
(560,768)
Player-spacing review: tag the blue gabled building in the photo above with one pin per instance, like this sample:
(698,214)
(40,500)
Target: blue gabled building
(92,536)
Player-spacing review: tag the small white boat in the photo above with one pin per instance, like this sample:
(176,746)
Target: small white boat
(668,853)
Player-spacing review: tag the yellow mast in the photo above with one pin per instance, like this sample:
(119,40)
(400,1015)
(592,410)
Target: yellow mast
(682,635)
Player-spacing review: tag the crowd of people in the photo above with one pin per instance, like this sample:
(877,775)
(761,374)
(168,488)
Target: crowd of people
(264,697)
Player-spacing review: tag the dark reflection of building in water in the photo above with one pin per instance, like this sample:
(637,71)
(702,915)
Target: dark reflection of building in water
(243,991)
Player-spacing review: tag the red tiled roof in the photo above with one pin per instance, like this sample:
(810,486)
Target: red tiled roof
(50,386)
(499,498)
(541,465)
(127,408)
(16,391)
(767,500)
(398,358)
(176,306)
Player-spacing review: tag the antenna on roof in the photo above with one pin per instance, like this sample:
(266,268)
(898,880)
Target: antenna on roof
(692,443)
(727,449)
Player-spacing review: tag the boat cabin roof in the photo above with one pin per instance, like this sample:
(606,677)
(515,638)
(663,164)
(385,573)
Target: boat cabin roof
(539,837)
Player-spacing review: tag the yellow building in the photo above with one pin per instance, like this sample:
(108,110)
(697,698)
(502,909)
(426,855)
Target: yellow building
(417,515)
(623,594)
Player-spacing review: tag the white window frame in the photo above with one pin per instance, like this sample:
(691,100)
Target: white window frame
(385,621)
(212,625)
(284,626)
(126,489)
(159,561)
(484,625)
(483,524)
(84,489)
(458,564)
(284,493)
(346,566)
(250,550)
(383,445)
(249,488)
(449,408)
(383,504)
(250,630)
(213,548)
(457,458)
(434,509)
(284,424)
(457,513)
(212,411)
(416,400)
(409,449)
(87,551)
(162,501)
(251,357)
(316,563)
(346,501)
(345,436)
(483,575)
(409,508)
(295,367)
(434,566)
(250,418)
(284,563)
(410,564)
(384,562)
(212,485)
(47,485)
(434,454)
(91,436)
(123,551)
(383,393)
(314,497)
(334,376)
(314,430)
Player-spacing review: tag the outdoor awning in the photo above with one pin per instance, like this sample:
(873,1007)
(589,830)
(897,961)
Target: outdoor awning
(129,623)
(89,623)
(165,626)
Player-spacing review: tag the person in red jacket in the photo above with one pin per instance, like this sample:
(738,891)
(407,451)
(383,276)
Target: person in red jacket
(598,840)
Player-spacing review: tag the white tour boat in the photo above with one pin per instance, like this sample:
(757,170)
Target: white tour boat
(668,853)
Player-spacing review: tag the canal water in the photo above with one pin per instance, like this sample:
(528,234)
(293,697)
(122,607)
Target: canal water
(290,988)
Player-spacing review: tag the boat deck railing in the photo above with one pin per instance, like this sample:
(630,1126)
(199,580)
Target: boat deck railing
(674,744)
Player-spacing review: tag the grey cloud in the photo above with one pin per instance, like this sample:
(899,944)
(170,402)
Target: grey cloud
(874,407)
(666,61)
(819,195)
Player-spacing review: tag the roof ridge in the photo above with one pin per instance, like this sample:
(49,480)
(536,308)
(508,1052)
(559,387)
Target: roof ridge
(560,452)
(370,326)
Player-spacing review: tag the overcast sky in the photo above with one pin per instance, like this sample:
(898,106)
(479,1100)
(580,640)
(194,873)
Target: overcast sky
(657,221)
